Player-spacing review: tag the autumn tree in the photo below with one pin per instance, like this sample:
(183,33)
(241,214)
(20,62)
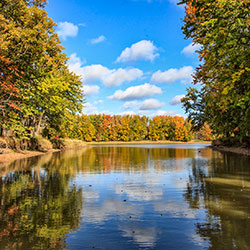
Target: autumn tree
(180,132)
(222,29)
(138,128)
(36,85)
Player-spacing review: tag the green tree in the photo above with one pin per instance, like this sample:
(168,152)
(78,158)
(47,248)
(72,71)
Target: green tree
(222,29)
(36,85)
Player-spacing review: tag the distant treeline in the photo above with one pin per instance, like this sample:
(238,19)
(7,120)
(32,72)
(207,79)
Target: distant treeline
(127,128)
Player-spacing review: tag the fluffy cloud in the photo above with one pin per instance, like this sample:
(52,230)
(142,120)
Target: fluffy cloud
(90,89)
(98,102)
(127,113)
(172,75)
(136,92)
(75,64)
(93,73)
(164,112)
(129,105)
(90,109)
(190,49)
(97,72)
(143,112)
(151,104)
(176,100)
(67,29)
(143,50)
(99,39)
(119,76)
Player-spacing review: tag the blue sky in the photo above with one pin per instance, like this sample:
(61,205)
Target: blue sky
(131,54)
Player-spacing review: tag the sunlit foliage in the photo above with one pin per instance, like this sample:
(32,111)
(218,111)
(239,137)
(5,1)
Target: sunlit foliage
(222,29)
(126,128)
(36,87)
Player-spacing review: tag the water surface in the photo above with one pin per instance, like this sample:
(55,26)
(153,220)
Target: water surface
(127,197)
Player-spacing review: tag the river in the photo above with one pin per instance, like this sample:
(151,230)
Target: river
(173,196)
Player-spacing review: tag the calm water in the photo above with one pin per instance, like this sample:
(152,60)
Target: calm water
(127,197)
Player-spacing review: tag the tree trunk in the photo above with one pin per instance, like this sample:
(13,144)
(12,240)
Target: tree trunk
(38,125)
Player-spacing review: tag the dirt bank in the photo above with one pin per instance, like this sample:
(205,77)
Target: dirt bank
(146,142)
(236,150)
(12,155)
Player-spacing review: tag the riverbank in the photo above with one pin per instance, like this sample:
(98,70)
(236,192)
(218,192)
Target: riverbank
(146,142)
(11,155)
(232,145)
(39,146)
(21,154)
(235,150)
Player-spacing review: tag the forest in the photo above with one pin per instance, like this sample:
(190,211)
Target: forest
(128,128)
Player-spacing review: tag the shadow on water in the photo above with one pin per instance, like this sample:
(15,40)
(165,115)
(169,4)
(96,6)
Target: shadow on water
(224,192)
(126,197)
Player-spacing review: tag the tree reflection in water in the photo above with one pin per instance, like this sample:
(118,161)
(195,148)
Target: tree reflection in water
(132,197)
(223,190)
(38,208)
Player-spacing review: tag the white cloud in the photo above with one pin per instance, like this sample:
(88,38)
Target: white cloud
(190,49)
(136,92)
(93,73)
(67,29)
(151,104)
(117,77)
(75,60)
(172,75)
(98,102)
(164,112)
(75,64)
(90,109)
(90,89)
(143,50)
(99,39)
(143,112)
(129,105)
(176,100)
(127,113)
(97,72)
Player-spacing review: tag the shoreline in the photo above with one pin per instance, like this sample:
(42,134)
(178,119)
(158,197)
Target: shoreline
(22,154)
(146,142)
(18,155)
(235,150)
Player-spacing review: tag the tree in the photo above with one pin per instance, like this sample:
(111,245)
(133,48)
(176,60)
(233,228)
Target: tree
(205,133)
(222,29)
(138,128)
(35,82)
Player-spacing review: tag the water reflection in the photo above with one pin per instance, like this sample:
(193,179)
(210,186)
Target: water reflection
(225,194)
(38,207)
(126,197)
